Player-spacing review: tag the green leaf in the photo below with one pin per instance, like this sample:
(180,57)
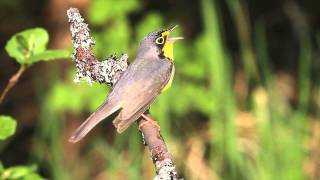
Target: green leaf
(21,172)
(33,176)
(30,42)
(23,42)
(49,55)
(16,172)
(7,126)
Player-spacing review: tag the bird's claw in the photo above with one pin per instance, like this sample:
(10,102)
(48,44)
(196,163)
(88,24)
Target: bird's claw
(148,120)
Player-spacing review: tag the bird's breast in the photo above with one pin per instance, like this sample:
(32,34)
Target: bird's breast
(169,83)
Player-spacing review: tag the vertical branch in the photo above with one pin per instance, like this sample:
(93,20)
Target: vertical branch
(88,66)
(108,72)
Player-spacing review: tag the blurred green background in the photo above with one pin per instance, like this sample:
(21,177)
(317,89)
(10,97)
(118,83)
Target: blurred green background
(245,102)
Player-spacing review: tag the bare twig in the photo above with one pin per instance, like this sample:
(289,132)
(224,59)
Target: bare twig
(108,72)
(12,82)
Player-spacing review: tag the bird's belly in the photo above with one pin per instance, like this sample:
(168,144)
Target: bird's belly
(168,85)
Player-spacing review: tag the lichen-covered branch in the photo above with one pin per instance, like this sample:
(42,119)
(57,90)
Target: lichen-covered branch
(159,153)
(109,71)
(88,66)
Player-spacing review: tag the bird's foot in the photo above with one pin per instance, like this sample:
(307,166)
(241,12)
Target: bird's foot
(148,120)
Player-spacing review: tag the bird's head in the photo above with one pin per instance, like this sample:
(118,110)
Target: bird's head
(158,43)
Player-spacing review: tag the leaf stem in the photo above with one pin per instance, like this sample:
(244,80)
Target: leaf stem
(12,82)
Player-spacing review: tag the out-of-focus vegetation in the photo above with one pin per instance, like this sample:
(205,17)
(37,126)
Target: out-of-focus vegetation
(244,103)
(27,48)
(7,129)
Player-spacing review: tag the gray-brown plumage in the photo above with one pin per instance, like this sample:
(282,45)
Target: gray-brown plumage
(137,88)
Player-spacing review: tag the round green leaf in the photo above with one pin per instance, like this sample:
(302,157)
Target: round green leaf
(27,43)
(7,126)
(49,55)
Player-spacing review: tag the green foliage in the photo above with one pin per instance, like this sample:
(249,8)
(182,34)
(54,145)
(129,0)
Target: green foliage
(22,45)
(1,168)
(30,46)
(50,55)
(26,47)
(223,109)
(7,127)
(114,39)
(80,96)
(150,21)
(20,173)
(102,11)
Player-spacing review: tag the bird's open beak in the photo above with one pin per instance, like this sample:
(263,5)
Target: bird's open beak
(174,38)
(170,29)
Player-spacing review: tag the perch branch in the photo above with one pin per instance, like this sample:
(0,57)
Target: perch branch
(159,153)
(109,71)
(12,82)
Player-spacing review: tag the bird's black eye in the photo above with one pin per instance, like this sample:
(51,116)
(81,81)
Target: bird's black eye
(160,40)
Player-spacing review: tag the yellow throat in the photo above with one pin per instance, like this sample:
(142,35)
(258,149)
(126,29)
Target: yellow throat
(168,50)
(168,46)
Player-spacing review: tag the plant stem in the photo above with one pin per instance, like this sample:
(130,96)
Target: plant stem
(12,82)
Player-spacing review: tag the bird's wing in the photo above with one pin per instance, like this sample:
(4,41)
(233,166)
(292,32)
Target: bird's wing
(141,88)
(134,92)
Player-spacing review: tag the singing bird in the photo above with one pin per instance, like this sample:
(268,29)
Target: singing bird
(146,77)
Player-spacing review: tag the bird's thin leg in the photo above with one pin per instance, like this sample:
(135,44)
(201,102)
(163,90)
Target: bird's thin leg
(148,120)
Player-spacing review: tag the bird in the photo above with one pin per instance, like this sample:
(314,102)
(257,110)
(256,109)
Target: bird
(150,74)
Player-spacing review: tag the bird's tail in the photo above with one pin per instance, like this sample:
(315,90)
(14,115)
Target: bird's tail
(105,110)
